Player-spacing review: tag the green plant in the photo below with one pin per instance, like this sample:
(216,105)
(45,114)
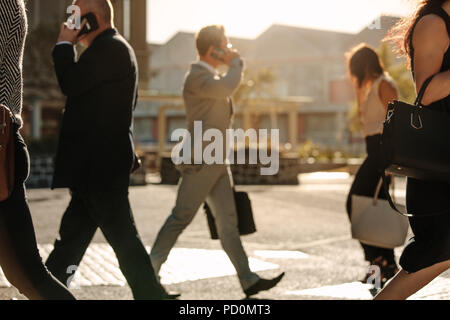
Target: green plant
(312,151)
(257,83)
(398,70)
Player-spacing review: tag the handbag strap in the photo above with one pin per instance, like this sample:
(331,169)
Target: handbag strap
(378,190)
(405,214)
(422,91)
(14,119)
(377,193)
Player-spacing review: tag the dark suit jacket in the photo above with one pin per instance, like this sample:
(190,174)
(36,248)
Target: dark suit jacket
(95,146)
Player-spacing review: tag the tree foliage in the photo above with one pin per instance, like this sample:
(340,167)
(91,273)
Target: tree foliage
(398,70)
(257,84)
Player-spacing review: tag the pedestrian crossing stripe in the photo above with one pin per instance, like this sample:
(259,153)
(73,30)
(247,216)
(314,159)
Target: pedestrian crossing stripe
(436,290)
(100,267)
(280,254)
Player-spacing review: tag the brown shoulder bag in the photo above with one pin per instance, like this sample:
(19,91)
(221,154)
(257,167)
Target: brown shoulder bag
(6,153)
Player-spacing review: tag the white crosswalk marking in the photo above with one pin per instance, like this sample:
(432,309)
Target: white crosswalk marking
(203,264)
(272,254)
(436,290)
(100,267)
(351,291)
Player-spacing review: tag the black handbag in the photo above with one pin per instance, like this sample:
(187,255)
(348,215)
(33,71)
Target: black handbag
(246,222)
(416,143)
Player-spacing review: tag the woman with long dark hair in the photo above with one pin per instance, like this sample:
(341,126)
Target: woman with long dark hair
(425,40)
(374,90)
(19,254)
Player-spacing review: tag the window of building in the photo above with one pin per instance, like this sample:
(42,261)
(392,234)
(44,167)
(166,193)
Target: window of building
(174,123)
(282,125)
(341,91)
(144,130)
(321,128)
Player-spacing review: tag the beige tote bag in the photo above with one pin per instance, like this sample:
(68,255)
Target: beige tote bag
(375,223)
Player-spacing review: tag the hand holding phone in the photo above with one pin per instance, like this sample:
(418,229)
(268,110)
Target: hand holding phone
(91,24)
(68,34)
(224,56)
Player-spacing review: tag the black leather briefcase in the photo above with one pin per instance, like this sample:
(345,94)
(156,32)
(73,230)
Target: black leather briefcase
(246,222)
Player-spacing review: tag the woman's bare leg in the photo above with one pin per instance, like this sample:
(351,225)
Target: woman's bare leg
(404,285)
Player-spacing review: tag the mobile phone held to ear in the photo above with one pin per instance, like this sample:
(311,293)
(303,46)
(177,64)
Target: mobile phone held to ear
(91,24)
(217,54)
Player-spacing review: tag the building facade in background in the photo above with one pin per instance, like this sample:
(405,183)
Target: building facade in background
(43,102)
(306,63)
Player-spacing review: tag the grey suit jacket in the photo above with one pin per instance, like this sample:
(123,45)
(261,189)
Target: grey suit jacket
(207,98)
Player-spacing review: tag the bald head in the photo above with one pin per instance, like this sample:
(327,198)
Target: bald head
(102,8)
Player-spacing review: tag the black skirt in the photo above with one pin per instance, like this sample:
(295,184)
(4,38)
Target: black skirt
(431,242)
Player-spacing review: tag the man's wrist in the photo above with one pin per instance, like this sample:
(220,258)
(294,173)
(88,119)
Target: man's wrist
(64,42)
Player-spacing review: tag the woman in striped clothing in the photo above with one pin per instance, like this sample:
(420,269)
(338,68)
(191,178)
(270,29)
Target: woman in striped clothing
(19,254)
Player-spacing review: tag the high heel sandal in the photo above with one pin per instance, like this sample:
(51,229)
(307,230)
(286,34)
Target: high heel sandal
(387,271)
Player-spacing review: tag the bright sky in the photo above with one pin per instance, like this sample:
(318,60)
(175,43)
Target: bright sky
(248,18)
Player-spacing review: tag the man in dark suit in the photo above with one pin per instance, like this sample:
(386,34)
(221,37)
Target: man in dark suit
(96,152)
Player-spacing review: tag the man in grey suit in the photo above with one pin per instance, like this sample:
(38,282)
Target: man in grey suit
(207,100)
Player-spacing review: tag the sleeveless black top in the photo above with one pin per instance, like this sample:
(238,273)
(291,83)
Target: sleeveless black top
(444,104)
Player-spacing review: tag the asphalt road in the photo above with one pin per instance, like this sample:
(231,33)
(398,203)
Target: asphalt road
(304,228)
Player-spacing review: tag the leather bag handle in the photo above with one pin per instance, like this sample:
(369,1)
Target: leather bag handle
(405,214)
(422,91)
(378,190)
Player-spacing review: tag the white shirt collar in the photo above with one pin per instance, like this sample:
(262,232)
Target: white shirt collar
(207,66)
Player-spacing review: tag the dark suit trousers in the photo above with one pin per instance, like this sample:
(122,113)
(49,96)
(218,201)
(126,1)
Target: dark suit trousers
(111,212)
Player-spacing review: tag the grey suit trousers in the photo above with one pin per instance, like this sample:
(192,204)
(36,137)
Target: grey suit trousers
(213,184)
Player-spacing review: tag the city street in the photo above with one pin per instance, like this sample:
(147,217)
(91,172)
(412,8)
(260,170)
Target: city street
(302,230)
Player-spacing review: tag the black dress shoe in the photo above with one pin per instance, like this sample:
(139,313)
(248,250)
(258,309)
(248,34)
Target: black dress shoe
(263,285)
(171,296)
